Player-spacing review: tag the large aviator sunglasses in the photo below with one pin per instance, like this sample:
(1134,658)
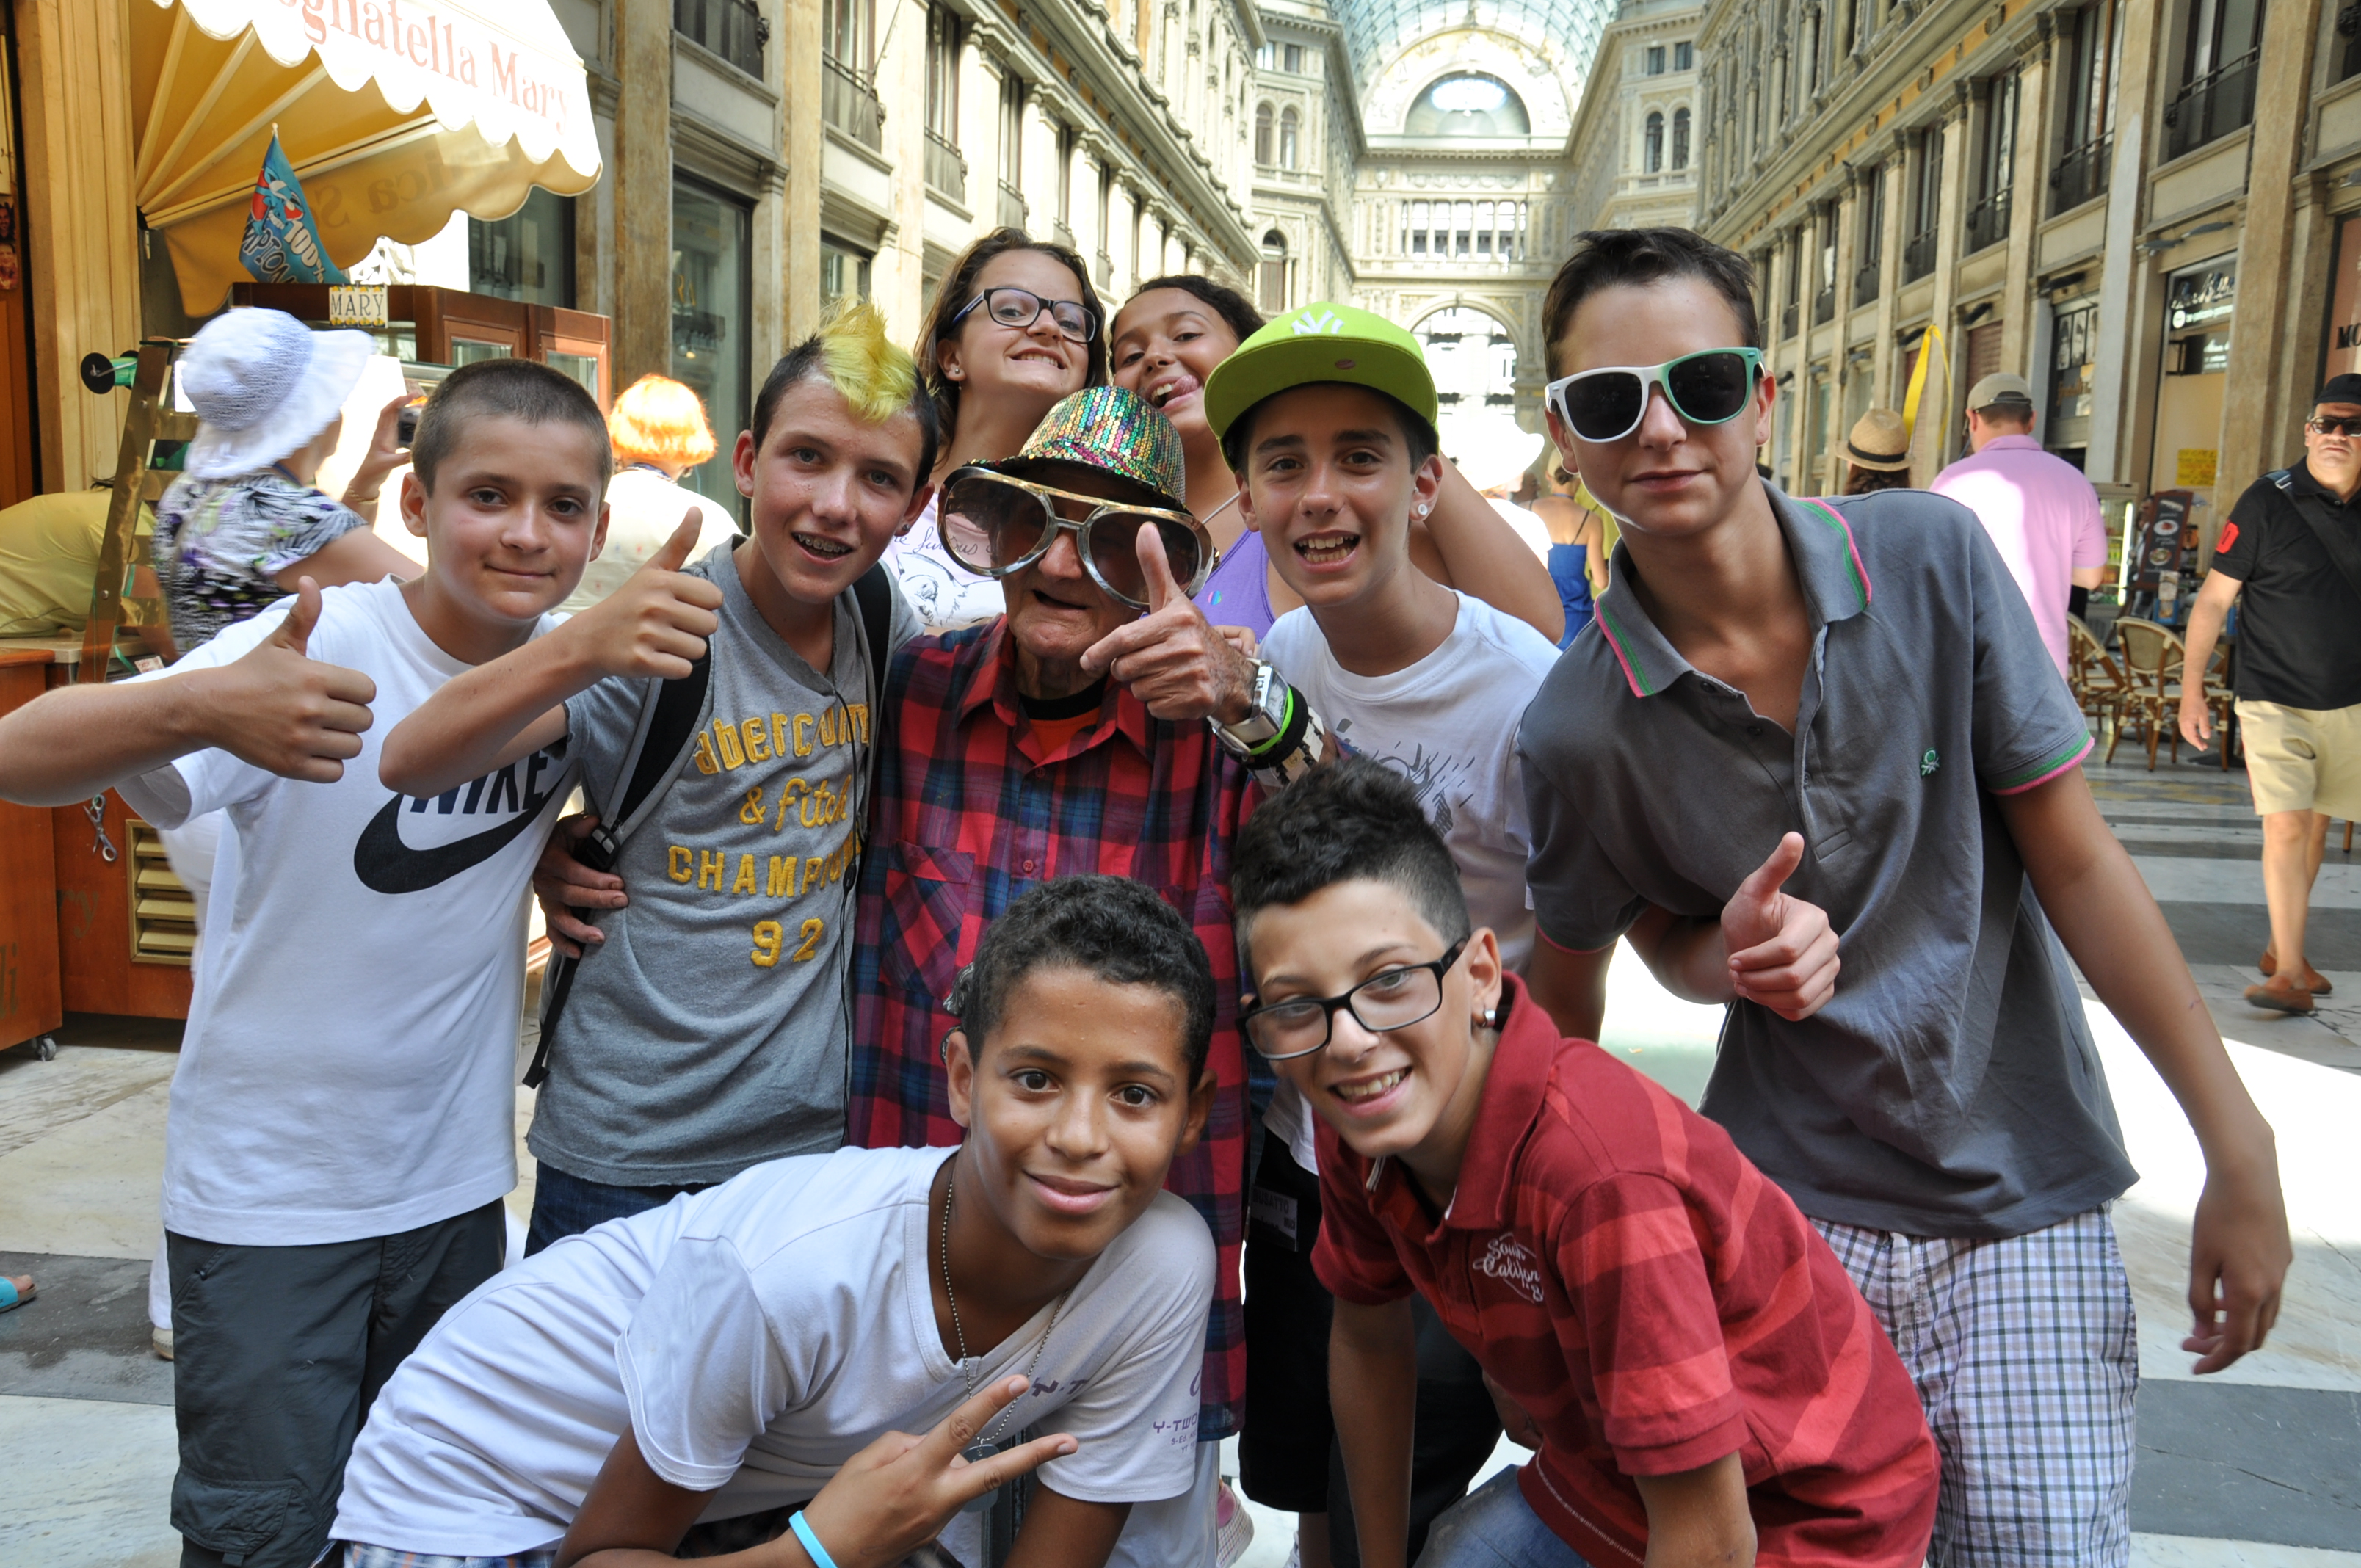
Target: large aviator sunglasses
(1606,404)
(1392,998)
(994,524)
(1020,308)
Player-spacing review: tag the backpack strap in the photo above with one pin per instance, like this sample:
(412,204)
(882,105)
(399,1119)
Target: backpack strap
(671,713)
(873,592)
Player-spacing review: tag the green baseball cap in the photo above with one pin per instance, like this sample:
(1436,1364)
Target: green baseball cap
(1322,341)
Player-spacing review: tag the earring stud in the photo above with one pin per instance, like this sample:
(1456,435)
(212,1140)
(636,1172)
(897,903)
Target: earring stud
(1490,1014)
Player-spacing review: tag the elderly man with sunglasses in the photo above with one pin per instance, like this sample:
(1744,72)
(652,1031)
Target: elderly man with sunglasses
(1099,726)
(2291,550)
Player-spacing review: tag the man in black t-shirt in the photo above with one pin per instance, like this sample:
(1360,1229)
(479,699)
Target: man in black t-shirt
(2293,546)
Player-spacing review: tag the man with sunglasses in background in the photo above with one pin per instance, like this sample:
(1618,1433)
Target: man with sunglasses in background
(1099,726)
(2292,549)
(1808,722)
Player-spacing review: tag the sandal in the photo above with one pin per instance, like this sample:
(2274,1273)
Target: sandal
(15,1291)
(2270,964)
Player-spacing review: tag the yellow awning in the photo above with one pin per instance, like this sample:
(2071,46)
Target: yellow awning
(396,114)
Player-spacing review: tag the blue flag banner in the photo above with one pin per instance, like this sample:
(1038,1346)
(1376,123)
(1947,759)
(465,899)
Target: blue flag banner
(281,243)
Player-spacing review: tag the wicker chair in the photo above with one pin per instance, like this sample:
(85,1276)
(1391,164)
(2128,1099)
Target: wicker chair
(2153,656)
(2097,683)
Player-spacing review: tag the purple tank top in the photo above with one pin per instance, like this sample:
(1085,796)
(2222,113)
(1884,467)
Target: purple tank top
(1238,592)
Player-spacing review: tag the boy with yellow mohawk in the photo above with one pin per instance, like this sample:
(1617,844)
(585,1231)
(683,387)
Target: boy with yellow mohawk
(722,717)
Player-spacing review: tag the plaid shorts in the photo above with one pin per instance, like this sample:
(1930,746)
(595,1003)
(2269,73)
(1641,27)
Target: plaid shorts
(2025,1356)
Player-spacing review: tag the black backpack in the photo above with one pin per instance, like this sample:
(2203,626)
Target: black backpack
(670,718)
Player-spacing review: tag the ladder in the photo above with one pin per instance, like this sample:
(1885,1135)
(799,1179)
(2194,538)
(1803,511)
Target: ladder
(151,418)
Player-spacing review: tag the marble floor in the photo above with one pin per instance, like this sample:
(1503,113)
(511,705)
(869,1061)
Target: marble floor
(2260,1468)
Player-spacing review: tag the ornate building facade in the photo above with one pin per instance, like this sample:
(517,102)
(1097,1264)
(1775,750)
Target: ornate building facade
(1631,160)
(2145,207)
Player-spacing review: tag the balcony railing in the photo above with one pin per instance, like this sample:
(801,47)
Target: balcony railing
(734,29)
(1824,306)
(849,104)
(2082,174)
(1918,256)
(1786,322)
(2212,106)
(1012,206)
(1987,221)
(946,169)
(1865,281)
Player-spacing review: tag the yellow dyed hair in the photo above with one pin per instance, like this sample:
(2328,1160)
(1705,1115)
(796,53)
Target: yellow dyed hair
(876,377)
(659,421)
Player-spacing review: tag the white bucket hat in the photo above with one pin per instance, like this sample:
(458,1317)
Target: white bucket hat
(263,385)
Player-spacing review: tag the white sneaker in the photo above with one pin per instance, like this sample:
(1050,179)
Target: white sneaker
(1232,1527)
(161,1339)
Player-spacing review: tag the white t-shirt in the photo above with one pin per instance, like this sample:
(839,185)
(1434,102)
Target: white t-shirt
(754,1336)
(946,595)
(1447,723)
(346,1071)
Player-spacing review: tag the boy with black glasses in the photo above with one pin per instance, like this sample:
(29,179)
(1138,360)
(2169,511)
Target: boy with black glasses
(1747,724)
(1702,1382)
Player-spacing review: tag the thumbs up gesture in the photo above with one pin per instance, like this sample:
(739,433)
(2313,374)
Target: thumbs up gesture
(1781,951)
(284,711)
(1174,662)
(656,623)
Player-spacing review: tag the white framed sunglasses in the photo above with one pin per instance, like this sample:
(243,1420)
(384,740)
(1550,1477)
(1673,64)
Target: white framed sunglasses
(1711,387)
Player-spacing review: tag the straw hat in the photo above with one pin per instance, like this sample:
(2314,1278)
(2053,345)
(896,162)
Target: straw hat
(1879,442)
(263,385)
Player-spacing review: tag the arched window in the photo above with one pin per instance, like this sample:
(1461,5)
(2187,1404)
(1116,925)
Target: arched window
(1289,124)
(1271,281)
(1680,138)
(1651,158)
(1262,133)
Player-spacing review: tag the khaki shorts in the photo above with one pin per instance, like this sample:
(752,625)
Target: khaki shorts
(2303,759)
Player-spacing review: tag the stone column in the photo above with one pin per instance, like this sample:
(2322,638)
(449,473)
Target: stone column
(2256,425)
(81,232)
(2029,193)
(1950,222)
(1840,371)
(1897,175)
(806,140)
(2107,460)
(643,179)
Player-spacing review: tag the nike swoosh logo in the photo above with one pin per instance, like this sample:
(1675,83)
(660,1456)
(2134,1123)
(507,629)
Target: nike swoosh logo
(386,864)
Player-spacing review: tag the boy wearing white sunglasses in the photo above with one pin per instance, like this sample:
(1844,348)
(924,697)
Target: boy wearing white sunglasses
(1856,690)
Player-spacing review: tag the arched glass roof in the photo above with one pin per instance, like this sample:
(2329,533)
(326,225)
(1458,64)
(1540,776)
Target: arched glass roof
(1376,29)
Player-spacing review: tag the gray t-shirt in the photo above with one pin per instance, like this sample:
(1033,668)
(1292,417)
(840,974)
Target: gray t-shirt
(708,1033)
(1949,1087)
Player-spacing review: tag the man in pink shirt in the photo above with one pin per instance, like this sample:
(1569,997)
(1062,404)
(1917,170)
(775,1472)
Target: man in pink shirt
(2039,511)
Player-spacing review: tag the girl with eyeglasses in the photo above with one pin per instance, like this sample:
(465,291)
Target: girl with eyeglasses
(1016,327)
(1163,345)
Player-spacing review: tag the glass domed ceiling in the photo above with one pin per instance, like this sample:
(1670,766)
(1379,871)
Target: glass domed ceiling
(1469,106)
(1376,29)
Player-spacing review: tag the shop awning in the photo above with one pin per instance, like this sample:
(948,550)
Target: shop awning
(396,114)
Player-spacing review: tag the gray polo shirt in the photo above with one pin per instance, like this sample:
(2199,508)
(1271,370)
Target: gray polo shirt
(1949,1087)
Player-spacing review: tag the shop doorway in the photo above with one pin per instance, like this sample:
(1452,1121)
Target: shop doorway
(2197,304)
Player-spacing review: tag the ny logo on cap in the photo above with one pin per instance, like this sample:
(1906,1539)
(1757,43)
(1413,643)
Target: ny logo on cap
(1309,326)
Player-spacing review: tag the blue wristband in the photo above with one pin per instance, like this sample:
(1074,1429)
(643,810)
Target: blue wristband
(818,1554)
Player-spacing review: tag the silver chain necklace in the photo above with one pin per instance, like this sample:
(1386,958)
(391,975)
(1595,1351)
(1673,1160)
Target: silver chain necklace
(984,1447)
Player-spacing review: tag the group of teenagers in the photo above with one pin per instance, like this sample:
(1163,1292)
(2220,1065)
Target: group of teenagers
(991,1066)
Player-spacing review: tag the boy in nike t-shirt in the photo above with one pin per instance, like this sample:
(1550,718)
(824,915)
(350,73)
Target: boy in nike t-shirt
(706,1029)
(341,1131)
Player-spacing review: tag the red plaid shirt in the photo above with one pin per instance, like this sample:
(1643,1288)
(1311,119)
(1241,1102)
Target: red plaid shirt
(968,814)
(1652,1302)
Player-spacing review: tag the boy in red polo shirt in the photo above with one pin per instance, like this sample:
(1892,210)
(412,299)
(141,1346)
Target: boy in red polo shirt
(1704,1382)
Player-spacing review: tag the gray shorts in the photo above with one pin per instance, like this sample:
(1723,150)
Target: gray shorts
(277,1354)
(2025,1354)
